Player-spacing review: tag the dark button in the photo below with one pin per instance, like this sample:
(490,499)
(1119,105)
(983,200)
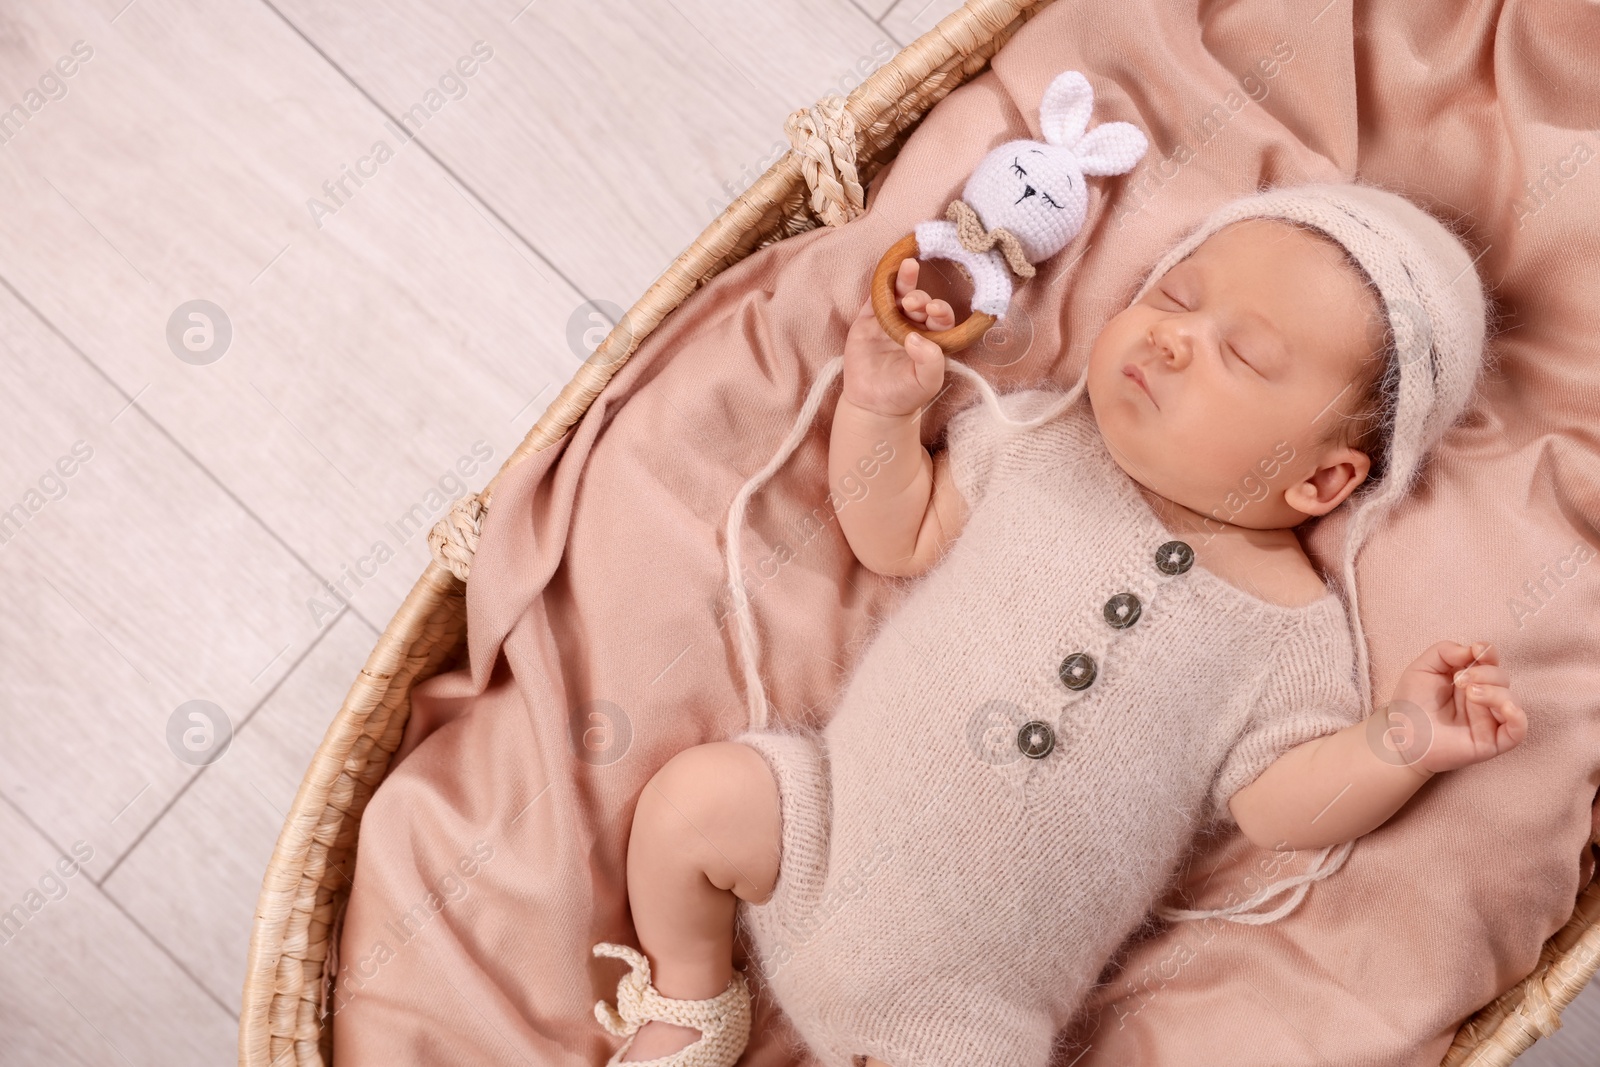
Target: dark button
(1174,557)
(1122,610)
(1077,671)
(1036,739)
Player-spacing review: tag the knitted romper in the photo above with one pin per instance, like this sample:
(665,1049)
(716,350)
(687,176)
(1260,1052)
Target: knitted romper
(944,898)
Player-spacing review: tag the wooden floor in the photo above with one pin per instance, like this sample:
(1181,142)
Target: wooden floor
(395,217)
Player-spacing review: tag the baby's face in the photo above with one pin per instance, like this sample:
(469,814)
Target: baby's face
(1247,350)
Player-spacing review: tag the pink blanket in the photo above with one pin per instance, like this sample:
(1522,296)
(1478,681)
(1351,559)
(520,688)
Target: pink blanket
(492,858)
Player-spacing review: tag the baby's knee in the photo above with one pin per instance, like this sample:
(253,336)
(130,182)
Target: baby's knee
(718,803)
(709,785)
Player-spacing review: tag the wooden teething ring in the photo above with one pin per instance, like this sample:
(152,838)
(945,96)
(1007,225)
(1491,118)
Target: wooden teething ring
(893,319)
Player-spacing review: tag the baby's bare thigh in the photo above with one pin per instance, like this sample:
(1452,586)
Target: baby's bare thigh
(717,804)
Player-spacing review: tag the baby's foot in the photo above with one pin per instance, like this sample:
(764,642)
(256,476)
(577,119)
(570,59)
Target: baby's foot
(656,1039)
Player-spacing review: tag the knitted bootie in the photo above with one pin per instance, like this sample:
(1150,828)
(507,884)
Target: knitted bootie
(723,1020)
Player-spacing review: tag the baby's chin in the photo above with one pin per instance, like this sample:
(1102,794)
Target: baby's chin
(1127,431)
(1148,464)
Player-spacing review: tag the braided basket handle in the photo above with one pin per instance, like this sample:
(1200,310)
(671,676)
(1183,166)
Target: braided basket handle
(453,541)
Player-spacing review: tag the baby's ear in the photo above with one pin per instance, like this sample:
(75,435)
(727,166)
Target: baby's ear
(1111,148)
(1342,472)
(1064,111)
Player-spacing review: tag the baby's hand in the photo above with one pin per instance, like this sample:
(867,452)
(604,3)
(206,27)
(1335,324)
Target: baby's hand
(881,376)
(1464,694)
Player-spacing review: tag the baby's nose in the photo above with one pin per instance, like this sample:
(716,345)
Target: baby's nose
(1173,344)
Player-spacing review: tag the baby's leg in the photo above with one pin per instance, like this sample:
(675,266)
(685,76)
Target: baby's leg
(706,834)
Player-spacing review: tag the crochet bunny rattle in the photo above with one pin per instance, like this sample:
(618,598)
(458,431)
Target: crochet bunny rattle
(1028,198)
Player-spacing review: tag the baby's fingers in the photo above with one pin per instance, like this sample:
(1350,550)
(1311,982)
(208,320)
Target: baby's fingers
(1478,652)
(1483,674)
(925,354)
(915,305)
(1449,658)
(941,316)
(905,278)
(1496,722)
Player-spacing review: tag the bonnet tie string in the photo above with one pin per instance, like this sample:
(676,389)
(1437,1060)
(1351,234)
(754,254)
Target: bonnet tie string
(1319,868)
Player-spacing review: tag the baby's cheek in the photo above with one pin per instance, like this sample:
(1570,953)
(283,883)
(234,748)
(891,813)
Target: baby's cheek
(1113,339)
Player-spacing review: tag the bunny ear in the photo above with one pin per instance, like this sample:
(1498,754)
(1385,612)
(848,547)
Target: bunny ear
(1064,111)
(1111,148)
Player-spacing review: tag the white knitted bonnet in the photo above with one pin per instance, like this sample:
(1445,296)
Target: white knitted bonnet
(1436,311)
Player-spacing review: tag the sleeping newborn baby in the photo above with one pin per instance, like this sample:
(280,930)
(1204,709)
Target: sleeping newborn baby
(1115,640)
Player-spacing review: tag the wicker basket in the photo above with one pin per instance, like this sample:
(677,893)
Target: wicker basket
(839,146)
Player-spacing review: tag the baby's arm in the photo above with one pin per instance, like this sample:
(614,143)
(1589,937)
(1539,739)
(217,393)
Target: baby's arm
(1452,707)
(909,510)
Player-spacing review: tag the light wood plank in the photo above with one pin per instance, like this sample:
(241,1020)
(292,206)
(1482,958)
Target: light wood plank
(80,984)
(368,355)
(135,584)
(218,837)
(907,20)
(611,132)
